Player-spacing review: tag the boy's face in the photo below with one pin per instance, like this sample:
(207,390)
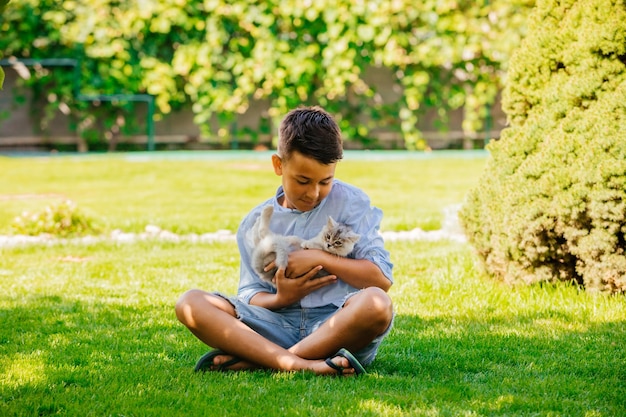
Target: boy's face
(306,182)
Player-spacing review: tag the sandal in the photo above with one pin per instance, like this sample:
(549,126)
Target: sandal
(205,363)
(354,363)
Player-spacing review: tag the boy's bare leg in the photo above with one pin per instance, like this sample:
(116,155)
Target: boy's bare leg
(364,317)
(212,319)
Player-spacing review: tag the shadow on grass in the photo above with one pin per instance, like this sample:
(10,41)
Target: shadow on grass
(507,366)
(64,357)
(58,353)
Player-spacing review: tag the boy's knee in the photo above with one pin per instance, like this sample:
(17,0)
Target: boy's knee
(185,304)
(379,299)
(377,305)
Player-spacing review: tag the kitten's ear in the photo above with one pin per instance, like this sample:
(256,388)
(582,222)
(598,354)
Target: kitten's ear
(331,222)
(268,211)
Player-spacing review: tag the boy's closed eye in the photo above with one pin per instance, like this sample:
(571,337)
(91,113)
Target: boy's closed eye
(305,180)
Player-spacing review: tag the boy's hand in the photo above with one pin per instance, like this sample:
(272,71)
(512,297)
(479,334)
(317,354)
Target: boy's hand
(302,261)
(291,290)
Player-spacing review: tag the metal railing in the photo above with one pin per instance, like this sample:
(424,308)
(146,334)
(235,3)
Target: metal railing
(76,88)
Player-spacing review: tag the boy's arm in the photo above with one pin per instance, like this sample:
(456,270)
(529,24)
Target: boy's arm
(291,290)
(359,273)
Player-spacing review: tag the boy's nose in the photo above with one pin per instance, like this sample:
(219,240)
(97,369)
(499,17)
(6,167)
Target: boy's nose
(313,192)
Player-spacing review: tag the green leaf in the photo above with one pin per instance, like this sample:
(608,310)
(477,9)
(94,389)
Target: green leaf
(3,4)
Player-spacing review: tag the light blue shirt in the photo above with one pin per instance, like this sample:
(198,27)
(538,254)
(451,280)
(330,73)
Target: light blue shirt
(346,204)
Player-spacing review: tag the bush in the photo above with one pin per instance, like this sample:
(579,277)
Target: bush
(64,219)
(551,205)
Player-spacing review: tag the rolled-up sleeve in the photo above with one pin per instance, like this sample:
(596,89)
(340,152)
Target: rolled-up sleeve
(365,220)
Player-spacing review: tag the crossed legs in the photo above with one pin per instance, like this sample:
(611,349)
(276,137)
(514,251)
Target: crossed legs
(212,319)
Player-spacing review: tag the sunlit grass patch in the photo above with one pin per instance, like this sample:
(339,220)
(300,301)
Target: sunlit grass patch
(200,196)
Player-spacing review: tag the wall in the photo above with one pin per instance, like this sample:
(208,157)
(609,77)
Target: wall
(19,128)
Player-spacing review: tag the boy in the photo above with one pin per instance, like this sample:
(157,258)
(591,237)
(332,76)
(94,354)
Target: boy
(303,323)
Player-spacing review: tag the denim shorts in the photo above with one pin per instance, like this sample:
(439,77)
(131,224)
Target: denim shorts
(288,326)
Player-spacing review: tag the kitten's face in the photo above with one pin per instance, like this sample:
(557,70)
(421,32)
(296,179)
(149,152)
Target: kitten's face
(338,239)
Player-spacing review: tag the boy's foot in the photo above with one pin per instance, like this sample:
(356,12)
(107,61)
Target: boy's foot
(218,360)
(342,363)
(346,365)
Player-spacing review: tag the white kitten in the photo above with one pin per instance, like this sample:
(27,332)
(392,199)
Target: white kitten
(335,238)
(269,246)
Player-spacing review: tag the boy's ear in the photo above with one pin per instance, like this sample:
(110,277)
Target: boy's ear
(277,163)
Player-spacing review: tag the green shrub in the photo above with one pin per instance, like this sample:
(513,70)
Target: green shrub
(64,219)
(551,205)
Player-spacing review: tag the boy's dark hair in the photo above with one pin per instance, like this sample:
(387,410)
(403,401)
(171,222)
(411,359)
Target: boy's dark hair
(313,132)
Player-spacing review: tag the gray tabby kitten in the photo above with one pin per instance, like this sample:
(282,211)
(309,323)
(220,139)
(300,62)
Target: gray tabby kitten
(335,238)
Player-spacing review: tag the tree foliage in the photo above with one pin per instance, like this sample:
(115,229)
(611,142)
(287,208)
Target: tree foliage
(3,4)
(218,55)
(552,202)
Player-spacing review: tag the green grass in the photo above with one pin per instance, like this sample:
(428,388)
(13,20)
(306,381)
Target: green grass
(199,195)
(89,330)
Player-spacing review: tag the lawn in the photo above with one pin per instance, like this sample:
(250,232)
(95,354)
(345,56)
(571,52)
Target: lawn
(89,330)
